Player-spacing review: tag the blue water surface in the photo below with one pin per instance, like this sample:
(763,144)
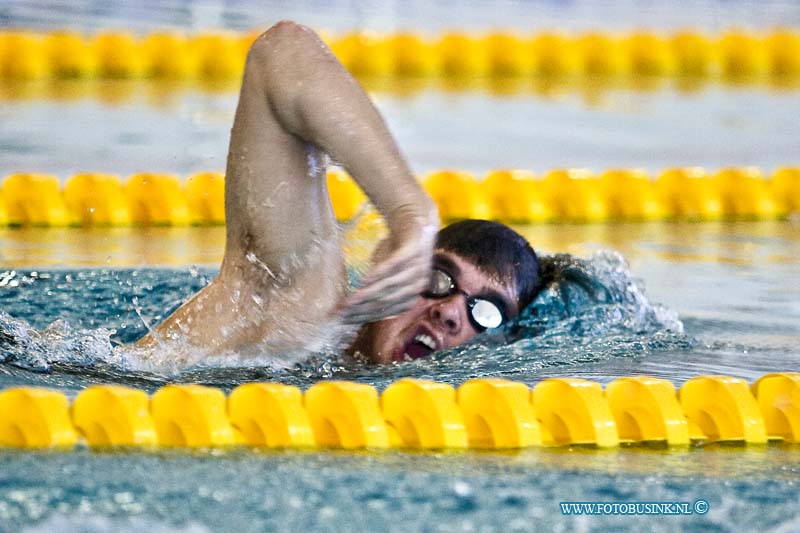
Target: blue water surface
(59,328)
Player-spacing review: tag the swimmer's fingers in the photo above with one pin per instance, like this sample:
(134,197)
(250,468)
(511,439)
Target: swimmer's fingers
(383,297)
(385,312)
(370,311)
(388,294)
(404,265)
(408,249)
(376,310)
(401,272)
(407,267)
(407,262)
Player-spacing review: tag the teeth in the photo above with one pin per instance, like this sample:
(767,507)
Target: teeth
(427,340)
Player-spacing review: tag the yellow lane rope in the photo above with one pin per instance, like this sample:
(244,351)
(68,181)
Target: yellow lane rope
(513,196)
(487,413)
(733,54)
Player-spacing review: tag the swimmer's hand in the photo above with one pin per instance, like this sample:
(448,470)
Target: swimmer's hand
(401,267)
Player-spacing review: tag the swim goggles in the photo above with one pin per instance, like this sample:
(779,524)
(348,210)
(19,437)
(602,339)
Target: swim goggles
(483,313)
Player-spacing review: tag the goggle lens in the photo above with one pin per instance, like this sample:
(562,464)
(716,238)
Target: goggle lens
(441,284)
(484,314)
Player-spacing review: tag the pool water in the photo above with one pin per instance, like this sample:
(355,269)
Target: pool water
(670,300)
(733,286)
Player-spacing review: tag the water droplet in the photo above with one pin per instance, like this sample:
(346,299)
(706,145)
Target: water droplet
(462,489)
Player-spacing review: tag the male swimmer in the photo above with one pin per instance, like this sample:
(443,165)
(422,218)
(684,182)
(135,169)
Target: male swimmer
(282,282)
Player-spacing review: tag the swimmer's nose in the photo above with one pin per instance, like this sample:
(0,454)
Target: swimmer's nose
(447,313)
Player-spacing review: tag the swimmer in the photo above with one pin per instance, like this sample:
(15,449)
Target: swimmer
(283,282)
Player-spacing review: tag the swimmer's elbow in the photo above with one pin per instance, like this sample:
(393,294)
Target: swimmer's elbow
(284,38)
(279,63)
(289,29)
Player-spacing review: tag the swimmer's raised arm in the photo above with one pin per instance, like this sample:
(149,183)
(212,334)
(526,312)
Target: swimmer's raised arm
(292,79)
(283,273)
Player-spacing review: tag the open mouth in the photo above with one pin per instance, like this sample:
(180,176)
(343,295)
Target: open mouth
(421,344)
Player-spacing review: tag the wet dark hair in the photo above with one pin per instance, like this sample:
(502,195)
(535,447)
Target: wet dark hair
(497,250)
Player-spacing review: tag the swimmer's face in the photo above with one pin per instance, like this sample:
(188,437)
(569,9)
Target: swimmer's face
(435,324)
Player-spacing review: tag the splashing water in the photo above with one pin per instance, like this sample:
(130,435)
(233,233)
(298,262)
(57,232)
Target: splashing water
(590,310)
